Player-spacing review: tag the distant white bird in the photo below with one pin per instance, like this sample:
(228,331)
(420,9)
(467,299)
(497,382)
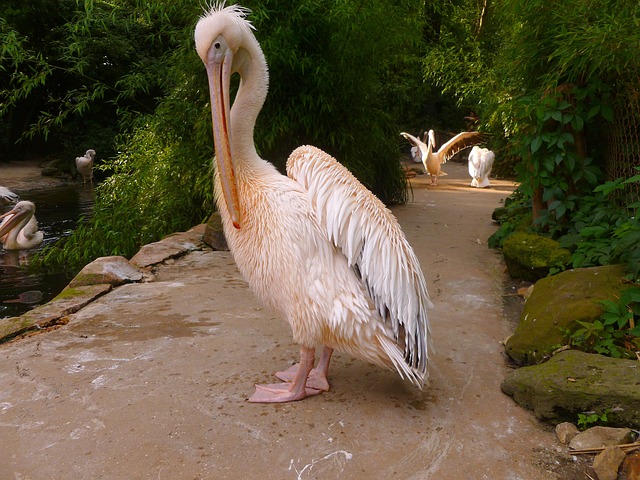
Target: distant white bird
(316,246)
(19,227)
(433,160)
(416,154)
(7,197)
(85,165)
(480,164)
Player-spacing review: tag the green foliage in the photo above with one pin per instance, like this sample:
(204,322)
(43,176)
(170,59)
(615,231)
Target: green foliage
(602,233)
(336,82)
(551,161)
(150,192)
(72,72)
(597,230)
(332,64)
(590,419)
(617,332)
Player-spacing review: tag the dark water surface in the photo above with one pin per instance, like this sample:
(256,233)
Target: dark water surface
(58,210)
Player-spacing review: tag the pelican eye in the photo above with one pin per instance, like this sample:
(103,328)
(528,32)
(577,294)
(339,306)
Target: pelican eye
(217,45)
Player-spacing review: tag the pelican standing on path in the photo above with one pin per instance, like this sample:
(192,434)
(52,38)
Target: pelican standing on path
(431,160)
(85,166)
(480,165)
(19,227)
(316,246)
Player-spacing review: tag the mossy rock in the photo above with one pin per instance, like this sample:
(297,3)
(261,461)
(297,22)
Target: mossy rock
(556,304)
(573,382)
(530,257)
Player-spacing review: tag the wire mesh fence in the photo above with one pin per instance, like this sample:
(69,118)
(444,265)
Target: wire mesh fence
(623,142)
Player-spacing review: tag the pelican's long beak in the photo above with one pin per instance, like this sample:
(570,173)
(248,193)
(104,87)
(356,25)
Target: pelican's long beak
(219,74)
(7,225)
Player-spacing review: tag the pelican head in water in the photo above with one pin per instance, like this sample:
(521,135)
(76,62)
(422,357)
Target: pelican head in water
(316,246)
(19,227)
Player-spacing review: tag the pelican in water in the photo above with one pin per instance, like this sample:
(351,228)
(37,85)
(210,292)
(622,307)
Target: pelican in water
(7,197)
(85,166)
(19,227)
(480,164)
(315,246)
(431,160)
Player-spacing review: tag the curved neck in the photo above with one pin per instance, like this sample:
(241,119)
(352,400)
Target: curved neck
(252,92)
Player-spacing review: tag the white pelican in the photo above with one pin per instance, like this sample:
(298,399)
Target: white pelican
(85,165)
(315,246)
(480,163)
(7,197)
(19,227)
(416,152)
(431,160)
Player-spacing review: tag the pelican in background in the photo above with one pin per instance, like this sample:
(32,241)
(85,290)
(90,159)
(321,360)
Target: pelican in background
(480,164)
(416,152)
(7,197)
(85,166)
(19,227)
(315,246)
(431,160)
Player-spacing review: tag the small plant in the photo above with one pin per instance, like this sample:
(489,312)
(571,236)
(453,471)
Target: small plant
(617,332)
(590,419)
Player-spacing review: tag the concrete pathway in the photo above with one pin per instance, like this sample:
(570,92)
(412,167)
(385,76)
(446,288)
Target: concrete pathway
(151,380)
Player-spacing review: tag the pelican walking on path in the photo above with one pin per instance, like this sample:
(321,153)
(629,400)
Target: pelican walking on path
(433,160)
(315,246)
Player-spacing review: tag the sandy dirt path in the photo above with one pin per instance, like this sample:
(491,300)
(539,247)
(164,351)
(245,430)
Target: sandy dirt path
(151,381)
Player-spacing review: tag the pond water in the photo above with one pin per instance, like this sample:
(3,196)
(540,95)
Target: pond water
(58,210)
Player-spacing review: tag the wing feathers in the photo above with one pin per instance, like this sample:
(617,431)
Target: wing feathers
(373,242)
(457,143)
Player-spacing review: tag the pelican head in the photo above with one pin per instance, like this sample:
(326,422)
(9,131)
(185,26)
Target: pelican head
(19,229)
(226,45)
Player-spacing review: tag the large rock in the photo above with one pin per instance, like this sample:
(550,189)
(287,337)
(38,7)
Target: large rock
(530,257)
(555,306)
(607,463)
(171,246)
(113,270)
(573,382)
(597,437)
(54,313)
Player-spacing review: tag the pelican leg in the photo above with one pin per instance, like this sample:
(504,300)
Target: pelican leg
(289,392)
(317,377)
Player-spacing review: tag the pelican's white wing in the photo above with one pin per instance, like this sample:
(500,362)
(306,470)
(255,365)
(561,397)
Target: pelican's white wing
(457,143)
(359,224)
(416,142)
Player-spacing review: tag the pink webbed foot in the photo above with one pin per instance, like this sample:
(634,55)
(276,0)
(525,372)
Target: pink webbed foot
(316,379)
(280,393)
(301,380)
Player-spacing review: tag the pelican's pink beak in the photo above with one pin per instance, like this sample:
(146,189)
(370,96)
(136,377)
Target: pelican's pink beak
(14,218)
(219,73)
